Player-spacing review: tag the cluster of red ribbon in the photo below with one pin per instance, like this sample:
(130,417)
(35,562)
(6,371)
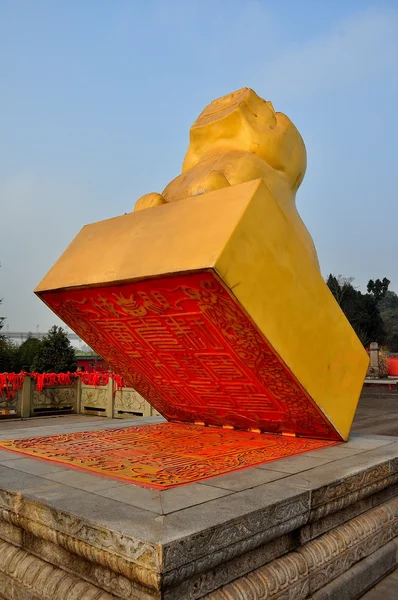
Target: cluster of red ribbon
(10,383)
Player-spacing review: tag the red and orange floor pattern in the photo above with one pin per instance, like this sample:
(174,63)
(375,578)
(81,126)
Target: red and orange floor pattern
(163,455)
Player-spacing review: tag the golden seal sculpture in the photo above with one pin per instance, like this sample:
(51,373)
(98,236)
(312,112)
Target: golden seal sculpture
(208,298)
(239,138)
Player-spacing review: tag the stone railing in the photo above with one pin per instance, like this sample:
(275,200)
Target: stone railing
(10,407)
(104,401)
(108,401)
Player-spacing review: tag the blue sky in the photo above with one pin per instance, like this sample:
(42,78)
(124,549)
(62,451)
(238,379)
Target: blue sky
(97,98)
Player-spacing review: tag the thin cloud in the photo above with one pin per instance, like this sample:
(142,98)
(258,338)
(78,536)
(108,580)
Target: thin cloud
(359,47)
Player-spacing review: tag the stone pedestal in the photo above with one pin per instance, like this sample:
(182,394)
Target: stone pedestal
(320,525)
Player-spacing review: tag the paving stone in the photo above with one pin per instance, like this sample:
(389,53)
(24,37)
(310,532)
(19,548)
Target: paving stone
(244,479)
(296,464)
(13,480)
(369,442)
(385,452)
(4,455)
(166,501)
(32,466)
(83,481)
(355,477)
(335,452)
(371,436)
(103,513)
(18,435)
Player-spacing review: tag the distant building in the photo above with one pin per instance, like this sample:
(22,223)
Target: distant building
(89,361)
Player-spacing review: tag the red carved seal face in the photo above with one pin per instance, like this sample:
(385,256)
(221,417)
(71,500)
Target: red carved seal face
(185,344)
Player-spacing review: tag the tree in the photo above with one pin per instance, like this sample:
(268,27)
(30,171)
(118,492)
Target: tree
(378,288)
(8,353)
(340,287)
(8,356)
(361,310)
(389,314)
(56,354)
(27,353)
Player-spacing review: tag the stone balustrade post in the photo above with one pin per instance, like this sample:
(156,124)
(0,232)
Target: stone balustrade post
(373,370)
(26,397)
(109,399)
(78,395)
(374,355)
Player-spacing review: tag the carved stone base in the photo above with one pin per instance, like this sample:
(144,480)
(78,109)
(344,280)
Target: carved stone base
(311,567)
(320,526)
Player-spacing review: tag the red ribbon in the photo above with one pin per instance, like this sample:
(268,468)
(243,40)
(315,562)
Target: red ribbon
(10,383)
